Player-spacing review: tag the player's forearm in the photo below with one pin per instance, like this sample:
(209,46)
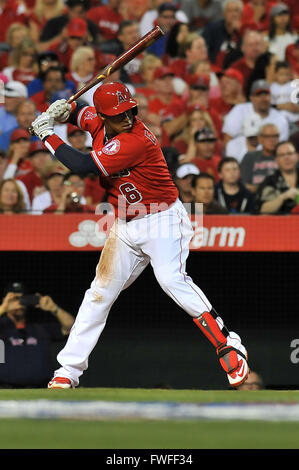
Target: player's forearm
(73,159)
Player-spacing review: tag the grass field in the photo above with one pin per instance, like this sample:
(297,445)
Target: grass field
(149,433)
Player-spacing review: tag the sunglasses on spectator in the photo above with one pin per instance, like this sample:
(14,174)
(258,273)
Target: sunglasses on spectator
(270,136)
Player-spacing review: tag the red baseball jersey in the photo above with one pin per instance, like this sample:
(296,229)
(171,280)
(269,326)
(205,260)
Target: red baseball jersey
(133,168)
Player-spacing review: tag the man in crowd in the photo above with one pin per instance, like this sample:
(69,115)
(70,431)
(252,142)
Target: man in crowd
(258,164)
(183,179)
(230,191)
(14,94)
(278,192)
(28,325)
(259,106)
(203,192)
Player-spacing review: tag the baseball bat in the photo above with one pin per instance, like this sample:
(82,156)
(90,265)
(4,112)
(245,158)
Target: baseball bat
(142,44)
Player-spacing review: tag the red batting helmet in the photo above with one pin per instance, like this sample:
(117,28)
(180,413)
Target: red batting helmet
(113,98)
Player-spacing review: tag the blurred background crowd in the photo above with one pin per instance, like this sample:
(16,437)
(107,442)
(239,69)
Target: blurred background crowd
(219,91)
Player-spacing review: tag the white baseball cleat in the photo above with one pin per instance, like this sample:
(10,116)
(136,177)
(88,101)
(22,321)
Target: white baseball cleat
(60,382)
(239,375)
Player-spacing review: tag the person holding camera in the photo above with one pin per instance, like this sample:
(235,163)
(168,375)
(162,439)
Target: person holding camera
(27,337)
(72,197)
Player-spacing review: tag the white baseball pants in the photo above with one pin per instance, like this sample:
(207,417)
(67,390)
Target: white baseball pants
(161,239)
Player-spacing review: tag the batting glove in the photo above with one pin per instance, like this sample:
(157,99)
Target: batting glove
(43,126)
(60,110)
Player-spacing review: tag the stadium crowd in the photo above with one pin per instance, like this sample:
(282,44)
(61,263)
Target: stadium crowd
(219,91)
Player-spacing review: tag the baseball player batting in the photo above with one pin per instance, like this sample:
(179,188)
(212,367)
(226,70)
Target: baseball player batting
(131,166)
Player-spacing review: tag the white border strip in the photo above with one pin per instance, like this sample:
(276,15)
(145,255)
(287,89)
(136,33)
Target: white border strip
(101,410)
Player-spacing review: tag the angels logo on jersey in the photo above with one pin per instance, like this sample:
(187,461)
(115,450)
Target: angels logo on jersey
(89,115)
(112,147)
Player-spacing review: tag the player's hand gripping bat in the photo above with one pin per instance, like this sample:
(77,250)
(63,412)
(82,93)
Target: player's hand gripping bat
(142,44)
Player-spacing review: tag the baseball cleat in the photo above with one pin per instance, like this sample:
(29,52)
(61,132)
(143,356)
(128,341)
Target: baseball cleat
(60,382)
(239,375)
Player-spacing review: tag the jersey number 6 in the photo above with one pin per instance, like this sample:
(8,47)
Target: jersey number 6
(130,193)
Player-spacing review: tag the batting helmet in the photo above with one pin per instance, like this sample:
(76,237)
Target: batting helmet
(113,98)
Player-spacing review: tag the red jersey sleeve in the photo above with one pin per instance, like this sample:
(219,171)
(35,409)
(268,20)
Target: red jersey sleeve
(120,153)
(88,120)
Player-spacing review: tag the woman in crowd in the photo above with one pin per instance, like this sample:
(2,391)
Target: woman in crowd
(11,197)
(280,34)
(23,65)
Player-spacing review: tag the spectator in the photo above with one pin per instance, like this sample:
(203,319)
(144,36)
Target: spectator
(204,67)
(15,35)
(166,19)
(28,325)
(11,12)
(148,20)
(230,191)
(282,92)
(42,12)
(231,92)
(17,154)
(253,382)
(175,116)
(203,192)
(25,115)
(258,106)
(76,36)
(201,12)
(14,93)
(72,197)
(107,18)
(46,60)
(128,34)
(54,87)
(147,68)
(82,70)
(224,35)
(258,164)
(193,50)
(164,91)
(39,156)
(278,193)
(196,120)
(143,112)
(203,153)
(23,64)
(248,142)
(175,40)
(183,177)
(253,46)
(280,34)
(256,14)
(292,57)
(51,193)
(54,29)
(11,197)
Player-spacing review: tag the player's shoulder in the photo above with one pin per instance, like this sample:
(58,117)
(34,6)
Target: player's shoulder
(143,133)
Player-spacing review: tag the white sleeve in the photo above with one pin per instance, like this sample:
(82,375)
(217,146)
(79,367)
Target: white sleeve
(10,171)
(147,21)
(233,122)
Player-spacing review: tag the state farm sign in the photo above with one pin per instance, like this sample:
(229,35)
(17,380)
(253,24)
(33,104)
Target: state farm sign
(218,236)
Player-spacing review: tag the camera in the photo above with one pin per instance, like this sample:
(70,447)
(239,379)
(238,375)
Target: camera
(75,197)
(31,300)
